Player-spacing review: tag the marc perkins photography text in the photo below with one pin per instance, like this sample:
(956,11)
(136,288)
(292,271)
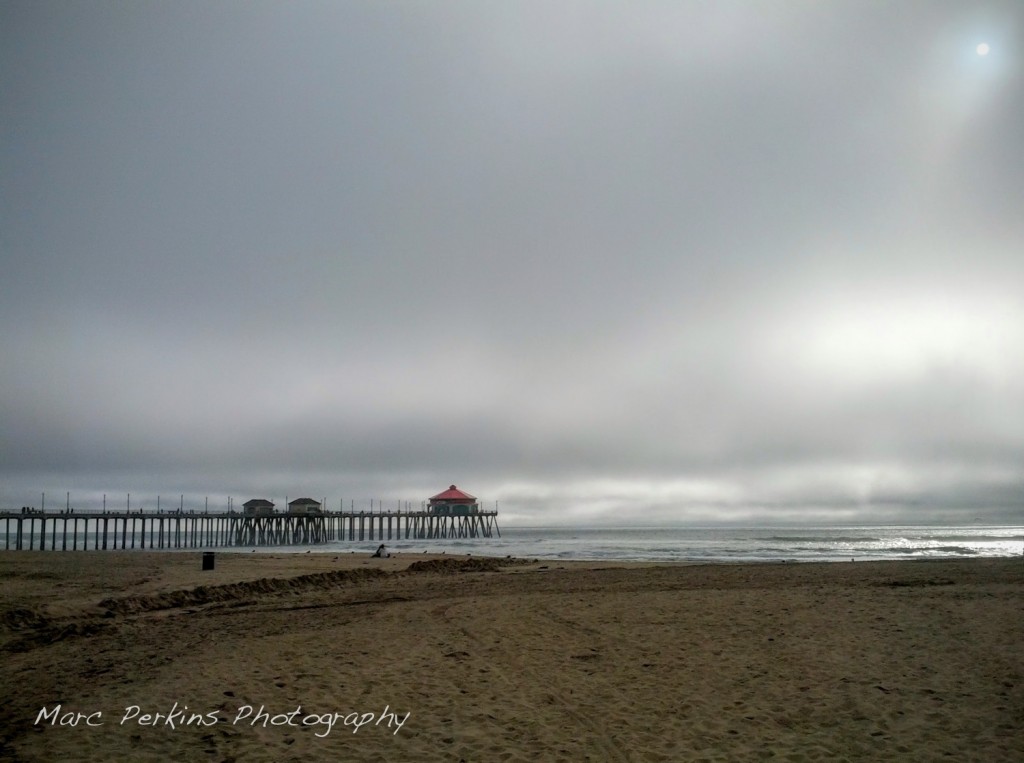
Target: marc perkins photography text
(246,715)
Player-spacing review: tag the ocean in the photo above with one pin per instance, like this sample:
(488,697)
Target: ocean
(733,544)
(668,544)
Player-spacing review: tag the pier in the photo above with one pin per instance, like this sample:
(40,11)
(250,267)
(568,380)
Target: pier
(72,530)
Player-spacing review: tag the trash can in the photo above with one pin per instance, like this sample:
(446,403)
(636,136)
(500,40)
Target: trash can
(207,560)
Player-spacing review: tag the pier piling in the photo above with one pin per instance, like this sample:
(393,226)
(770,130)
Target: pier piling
(179,530)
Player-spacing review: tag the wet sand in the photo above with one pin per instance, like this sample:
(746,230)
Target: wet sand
(324,657)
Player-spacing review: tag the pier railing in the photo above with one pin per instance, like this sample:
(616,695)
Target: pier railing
(73,530)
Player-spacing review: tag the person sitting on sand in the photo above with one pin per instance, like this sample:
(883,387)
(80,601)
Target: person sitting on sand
(381,552)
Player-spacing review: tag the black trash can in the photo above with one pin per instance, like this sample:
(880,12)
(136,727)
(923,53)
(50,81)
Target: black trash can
(207,560)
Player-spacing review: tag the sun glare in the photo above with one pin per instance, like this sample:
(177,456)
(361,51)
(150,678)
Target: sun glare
(983,49)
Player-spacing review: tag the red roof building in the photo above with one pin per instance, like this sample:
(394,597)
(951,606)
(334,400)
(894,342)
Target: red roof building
(453,501)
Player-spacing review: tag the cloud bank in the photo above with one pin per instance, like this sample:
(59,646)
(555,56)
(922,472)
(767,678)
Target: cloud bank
(670,262)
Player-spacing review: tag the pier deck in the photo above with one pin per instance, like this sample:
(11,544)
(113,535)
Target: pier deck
(101,531)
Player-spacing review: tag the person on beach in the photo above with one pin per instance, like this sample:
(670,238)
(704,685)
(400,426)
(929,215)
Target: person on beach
(381,552)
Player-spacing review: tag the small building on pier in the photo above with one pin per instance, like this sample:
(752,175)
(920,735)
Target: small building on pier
(257,507)
(304,506)
(453,501)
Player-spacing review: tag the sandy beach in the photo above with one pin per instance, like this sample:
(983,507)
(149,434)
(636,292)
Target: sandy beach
(145,656)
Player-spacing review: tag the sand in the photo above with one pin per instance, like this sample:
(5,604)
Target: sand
(345,658)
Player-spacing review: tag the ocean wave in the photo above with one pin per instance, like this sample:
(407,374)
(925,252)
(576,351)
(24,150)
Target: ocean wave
(824,539)
(952,550)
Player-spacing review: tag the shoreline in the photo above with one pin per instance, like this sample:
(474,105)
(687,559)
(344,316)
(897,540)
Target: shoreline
(498,659)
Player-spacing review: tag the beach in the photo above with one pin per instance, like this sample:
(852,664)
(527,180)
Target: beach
(280,657)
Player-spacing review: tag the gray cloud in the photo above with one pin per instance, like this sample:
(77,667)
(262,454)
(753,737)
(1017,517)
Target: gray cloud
(675,261)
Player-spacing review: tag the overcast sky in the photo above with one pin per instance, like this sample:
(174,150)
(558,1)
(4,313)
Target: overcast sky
(625,262)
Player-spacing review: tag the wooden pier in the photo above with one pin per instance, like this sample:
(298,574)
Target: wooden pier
(102,531)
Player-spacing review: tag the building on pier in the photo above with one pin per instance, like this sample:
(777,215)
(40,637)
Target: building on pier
(258,507)
(304,507)
(453,502)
